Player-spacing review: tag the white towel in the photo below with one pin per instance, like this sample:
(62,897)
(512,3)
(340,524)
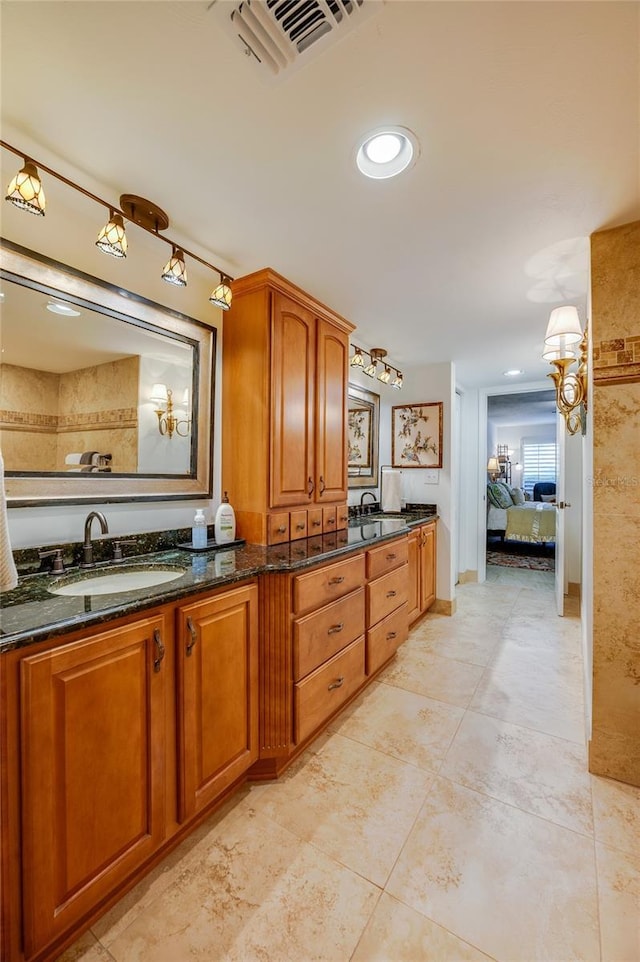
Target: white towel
(391,490)
(8,573)
(73,458)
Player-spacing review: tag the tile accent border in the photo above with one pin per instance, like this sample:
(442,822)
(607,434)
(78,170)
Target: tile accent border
(616,361)
(85,421)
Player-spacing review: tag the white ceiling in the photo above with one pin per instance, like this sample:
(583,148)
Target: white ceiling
(527,114)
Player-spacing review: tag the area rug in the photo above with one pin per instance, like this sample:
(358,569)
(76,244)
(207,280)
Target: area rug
(520,561)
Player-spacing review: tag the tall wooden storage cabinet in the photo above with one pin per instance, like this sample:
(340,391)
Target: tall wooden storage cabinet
(284,416)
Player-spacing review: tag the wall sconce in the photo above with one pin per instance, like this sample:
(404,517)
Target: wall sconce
(168,423)
(493,468)
(375,355)
(26,192)
(564,339)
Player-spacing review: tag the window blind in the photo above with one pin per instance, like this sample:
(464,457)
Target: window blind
(538,463)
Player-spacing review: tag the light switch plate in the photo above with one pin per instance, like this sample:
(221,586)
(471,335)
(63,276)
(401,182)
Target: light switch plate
(431,477)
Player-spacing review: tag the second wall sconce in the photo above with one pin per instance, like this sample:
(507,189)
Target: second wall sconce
(564,339)
(168,423)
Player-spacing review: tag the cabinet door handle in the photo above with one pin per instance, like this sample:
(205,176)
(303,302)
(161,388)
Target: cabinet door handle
(193,636)
(322,485)
(334,629)
(391,594)
(337,580)
(338,683)
(310,487)
(157,640)
(390,635)
(391,557)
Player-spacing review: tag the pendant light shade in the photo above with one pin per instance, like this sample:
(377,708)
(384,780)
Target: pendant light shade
(397,381)
(357,360)
(385,377)
(221,295)
(112,239)
(25,190)
(175,271)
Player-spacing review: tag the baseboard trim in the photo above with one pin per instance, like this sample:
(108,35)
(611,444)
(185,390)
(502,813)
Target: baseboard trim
(467,577)
(442,607)
(574,589)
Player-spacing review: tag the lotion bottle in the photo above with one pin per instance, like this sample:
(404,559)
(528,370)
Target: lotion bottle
(225,522)
(199,530)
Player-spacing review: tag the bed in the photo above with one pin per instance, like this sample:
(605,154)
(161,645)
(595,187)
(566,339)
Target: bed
(529,521)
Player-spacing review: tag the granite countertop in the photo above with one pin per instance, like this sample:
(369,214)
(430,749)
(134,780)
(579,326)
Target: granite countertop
(30,613)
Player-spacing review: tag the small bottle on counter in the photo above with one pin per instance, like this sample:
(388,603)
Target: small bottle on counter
(199,530)
(225,522)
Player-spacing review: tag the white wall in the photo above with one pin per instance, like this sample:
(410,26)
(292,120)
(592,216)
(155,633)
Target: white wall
(67,234)
(472,451)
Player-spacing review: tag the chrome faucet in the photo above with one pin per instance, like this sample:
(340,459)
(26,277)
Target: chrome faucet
(363,496)
(87,547)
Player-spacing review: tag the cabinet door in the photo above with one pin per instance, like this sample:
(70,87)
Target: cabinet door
(331,421)
(428,567)
(414,596)
(292,475)
(217,695)
(92,733)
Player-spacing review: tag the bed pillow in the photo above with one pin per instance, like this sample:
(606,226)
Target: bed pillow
(517,494)
(551,498)
(499,494)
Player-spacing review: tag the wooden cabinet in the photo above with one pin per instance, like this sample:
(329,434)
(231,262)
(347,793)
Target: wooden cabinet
(217,662)
(92,736)
(285,376)
(422,569)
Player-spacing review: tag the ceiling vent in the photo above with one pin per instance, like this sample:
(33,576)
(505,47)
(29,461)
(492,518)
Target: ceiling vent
(280,35)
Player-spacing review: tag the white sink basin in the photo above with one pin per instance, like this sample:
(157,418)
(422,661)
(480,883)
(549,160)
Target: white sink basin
(110,581)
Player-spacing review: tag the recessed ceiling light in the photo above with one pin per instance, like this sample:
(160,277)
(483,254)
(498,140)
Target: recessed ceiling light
(513,373)
(59,307)
(386,152)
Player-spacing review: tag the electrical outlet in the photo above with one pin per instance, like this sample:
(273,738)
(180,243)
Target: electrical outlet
(431,477)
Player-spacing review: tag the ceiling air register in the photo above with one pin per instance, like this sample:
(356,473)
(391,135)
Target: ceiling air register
(281,34)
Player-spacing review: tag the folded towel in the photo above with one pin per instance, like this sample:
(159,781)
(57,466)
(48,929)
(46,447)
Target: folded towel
(73,458)
(87,457)
(391,490)
(8,573)
(90,469)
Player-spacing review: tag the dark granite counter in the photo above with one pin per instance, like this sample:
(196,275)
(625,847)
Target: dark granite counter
(30,613)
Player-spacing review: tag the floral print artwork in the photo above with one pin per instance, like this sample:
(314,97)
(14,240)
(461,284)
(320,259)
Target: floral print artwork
(417,435)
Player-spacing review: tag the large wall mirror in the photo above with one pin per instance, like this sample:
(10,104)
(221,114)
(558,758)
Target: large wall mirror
(364,430)
(104,395)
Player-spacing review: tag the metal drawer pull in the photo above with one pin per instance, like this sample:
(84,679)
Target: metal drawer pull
(390,635)
(300,526)
(391,557)
(331,520)
(334,629)
(336,581)
(193,636)
(391,594)
(336,684)
(157,639)
(316,524)
(282,529)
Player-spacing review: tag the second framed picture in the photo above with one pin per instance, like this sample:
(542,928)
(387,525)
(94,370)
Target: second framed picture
(416,435)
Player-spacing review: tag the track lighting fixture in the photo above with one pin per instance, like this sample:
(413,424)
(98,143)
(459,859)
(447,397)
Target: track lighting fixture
(375,355)
(27,193)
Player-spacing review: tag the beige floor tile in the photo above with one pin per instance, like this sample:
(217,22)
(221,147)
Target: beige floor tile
(86,949)
(549,634)
(427,674)
(538,773)
(616,813)
(411,727)
(474,648)
(514,885)
(619,898)
(540,580)
(556,664)
(260,894)
(537,701)
(397,932)
(355,804)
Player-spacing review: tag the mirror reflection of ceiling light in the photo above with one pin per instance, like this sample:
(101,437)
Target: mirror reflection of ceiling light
(58,307)
(386,152)
(513,373)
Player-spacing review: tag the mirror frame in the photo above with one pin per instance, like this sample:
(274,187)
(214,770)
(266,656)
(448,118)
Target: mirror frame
(366,477)
(22,266)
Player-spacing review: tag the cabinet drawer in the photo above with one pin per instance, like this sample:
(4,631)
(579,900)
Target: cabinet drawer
(314,521)
(386,557)
(329,519)
(386,637)
(278,528)
(298,524)
(327,584)
(327,688)
(343,517)
(320,635)
(386,594)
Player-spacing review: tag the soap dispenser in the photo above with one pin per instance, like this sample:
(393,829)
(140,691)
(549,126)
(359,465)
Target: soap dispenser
(225,522)
(199,530)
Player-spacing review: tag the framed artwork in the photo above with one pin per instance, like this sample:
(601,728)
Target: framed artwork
(416,435)
(363,421)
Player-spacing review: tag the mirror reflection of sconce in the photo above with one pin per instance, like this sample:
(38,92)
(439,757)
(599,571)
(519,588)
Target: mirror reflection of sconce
(168,422)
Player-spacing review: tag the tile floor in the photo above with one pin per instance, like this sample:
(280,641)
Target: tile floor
(447,815)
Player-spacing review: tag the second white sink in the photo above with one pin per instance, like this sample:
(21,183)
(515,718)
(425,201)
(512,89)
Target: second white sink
(110,581)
